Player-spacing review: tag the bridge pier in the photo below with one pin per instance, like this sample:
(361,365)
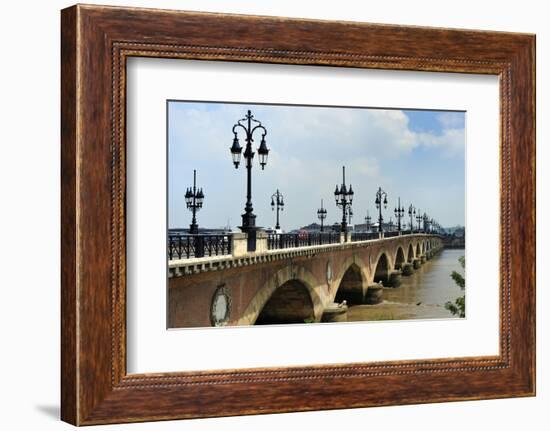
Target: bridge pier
(407,269)
(335,313)
(395,278)
(423,259)
(416,263)
(374,294)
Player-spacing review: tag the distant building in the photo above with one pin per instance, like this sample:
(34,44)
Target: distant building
(362,227)
(335,227)
(460,232)
(313,227)
(455,237)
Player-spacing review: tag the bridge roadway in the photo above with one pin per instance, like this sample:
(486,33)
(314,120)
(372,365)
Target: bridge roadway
(292,285)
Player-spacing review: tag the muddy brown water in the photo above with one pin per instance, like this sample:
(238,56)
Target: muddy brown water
(421,295)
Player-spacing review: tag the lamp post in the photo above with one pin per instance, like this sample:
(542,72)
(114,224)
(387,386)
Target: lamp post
(344,199)
(412,212)
(390,225)
(322,214)
(378,201)
(426,222)
(277,203)
(419,219)
(249,124)
(368,220)
(399,212)
(430,225)
(193,199)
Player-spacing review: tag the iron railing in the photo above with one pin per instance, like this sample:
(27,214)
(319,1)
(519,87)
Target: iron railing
(185,246)
(414,232)
(363,236)
(277,241)
(391,234)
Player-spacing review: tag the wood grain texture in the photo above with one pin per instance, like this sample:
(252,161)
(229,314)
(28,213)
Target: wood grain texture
(68,218)
(96,41)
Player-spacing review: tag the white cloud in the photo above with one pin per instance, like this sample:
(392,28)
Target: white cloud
(450,141)
(451,120)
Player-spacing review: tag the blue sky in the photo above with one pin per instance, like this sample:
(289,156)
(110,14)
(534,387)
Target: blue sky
(417,155)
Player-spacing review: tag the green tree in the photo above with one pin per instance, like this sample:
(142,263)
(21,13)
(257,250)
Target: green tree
(459,306)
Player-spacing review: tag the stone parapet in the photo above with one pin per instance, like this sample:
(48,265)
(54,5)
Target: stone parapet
(238,244)
(241,257)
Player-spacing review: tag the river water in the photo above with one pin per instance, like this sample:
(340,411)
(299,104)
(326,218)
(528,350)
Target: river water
(421,295)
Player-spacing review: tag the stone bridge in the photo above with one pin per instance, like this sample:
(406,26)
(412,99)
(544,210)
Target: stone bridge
(293,285)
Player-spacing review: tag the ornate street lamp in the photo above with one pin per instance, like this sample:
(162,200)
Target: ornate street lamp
(425,221)
(391,225)
(368,220)
(431,225)
(194,199)
(344,199)
(419,219)
(249,125)
(399,213)
(379,202)
(322,214)
(412,212)
(277,203)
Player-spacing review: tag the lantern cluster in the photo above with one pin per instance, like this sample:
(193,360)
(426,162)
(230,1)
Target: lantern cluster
(236,149)
(194,198)
(343,195)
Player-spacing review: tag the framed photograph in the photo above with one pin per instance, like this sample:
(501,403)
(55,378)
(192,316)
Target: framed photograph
(329,214)
(311,270)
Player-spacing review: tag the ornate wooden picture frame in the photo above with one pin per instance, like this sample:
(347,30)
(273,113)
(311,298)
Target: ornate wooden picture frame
(96,42)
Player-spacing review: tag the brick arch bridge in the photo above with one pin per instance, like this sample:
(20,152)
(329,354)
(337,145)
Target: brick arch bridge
(292,285)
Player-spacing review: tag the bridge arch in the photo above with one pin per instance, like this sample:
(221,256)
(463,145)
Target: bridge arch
(410,253)
(290,303)
(418,251)
(294,281)
(382,269)
(352,286)
(399,258)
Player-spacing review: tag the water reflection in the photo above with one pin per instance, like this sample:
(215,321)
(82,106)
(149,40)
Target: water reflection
(420,296)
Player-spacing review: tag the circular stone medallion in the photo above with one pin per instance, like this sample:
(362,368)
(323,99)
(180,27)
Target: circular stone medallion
(220,310)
